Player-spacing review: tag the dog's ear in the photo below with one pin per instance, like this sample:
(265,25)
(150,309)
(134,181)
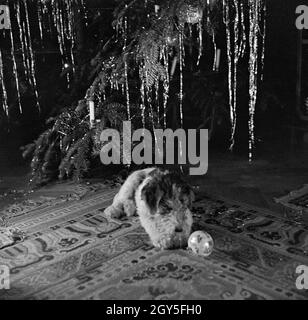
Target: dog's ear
(151,194)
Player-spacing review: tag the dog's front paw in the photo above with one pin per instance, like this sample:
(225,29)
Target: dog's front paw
(162,243)
(168,242)
(114,212)
(129,207)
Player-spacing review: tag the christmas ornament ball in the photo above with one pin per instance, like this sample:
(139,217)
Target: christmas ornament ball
(201,243)
(190,13)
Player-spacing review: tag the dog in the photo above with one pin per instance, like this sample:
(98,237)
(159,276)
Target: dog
(162,200)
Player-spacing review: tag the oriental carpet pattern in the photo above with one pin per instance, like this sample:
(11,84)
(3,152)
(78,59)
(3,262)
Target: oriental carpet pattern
(295,203)
(71,250)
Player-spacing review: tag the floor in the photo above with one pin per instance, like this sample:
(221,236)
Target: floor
(255,252)
(256,183)
(275,172)
(72,250)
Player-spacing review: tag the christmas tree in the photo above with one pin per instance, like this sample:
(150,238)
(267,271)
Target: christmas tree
(138,60)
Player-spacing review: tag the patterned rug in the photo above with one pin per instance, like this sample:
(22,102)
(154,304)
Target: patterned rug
(72,251)
(41,202)
(296,202)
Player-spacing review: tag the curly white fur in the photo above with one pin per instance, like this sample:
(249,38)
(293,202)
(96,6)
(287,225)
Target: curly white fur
(167,228)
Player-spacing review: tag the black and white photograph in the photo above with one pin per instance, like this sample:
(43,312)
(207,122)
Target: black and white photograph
(154,150)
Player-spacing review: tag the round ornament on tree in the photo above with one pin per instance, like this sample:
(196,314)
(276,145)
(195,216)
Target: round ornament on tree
(190,13)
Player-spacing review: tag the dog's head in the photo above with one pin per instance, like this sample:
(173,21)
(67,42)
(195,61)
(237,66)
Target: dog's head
(169,199)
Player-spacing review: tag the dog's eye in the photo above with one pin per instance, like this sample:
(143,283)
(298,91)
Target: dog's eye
(167,207)
(165,204)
